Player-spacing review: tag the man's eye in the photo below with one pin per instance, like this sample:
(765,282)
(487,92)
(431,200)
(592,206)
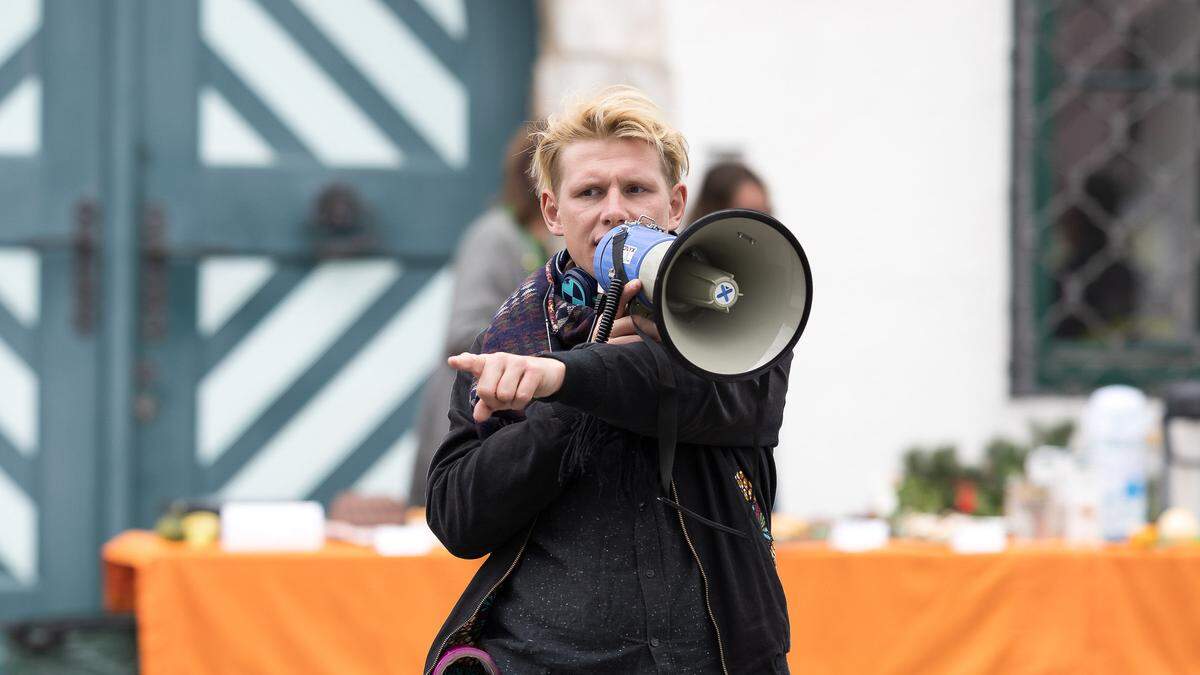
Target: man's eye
(636,189)
(589,192)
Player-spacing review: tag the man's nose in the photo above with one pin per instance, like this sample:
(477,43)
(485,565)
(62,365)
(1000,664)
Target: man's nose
(616,210)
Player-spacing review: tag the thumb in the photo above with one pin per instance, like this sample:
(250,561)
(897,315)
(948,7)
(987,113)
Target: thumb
(482,411)
(631,289)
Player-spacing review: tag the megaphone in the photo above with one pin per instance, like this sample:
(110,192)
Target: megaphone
(730,295)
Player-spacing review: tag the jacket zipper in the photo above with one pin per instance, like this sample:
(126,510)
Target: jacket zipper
(520,553)
(703,577)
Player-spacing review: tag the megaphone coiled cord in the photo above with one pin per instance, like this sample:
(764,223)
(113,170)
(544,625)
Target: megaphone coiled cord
(612,298)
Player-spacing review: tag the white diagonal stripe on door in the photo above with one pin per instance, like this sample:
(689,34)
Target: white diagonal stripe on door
(282,347)
(19,20)
(391,474)
(21,119)
(450,14)
(19,402)
(347,409)
(226,139)
(226,283)
(18,535)
(399,65)
(19,285)
(293,86)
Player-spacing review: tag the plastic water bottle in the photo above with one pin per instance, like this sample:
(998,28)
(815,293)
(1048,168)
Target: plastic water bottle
(1115,425)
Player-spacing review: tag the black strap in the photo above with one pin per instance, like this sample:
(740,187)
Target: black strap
(668,409)
(618,255)
(762,391)
(701,519)
(668,415)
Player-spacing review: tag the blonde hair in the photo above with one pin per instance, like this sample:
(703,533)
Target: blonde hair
(616,112)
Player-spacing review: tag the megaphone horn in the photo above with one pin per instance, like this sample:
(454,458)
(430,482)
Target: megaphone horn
(730,295)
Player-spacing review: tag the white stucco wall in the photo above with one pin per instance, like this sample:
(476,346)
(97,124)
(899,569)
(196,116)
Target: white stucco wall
(883,131)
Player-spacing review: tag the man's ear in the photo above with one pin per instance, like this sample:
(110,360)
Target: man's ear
(678,204)
(550,213)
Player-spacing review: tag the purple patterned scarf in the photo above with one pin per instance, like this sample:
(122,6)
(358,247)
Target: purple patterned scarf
(534,319)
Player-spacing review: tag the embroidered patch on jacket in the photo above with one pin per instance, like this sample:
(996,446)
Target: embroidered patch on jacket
(748,492)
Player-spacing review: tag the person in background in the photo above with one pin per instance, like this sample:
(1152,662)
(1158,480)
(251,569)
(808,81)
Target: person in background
(730,185)
(499,249)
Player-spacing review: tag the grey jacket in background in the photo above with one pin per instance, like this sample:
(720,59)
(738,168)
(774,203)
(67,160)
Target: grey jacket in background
(493,257)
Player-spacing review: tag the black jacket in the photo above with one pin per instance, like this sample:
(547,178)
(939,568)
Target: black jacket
(484,495)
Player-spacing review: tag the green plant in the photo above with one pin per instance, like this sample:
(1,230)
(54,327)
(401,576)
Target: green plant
(935,481)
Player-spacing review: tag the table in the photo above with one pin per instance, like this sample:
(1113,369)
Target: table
(341,611)
(910,608)
(1046,609)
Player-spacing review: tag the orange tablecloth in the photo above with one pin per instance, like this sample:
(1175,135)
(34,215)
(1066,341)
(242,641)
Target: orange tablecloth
(906,609)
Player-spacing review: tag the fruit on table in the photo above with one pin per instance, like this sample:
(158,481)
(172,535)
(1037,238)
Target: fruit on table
(1177,525)
(201,528)
(1146,537)
(170,526)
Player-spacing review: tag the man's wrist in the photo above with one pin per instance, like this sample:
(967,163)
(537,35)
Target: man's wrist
(554,374)
(583,376)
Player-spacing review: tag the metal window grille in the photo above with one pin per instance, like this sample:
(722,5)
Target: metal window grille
(1106,246)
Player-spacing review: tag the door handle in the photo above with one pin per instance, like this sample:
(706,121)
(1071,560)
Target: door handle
(86,215)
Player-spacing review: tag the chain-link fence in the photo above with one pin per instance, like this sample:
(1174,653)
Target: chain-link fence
(1106,233)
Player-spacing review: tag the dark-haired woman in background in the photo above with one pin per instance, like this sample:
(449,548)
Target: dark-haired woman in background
(730,185)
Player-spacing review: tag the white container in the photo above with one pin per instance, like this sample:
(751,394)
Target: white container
(272,526)
(855,535)
(979,535)
(402,540)
(1116,422)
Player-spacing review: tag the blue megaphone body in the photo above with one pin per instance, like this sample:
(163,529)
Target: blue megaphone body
(730,295)
(643,248)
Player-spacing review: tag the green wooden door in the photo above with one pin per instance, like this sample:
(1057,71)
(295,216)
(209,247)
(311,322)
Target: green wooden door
(273,189)
(51,189)
(309,167)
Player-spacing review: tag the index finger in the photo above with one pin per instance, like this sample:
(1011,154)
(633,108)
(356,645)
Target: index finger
(468,362)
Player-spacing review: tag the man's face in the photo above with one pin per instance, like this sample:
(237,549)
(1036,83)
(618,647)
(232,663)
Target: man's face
(602,183)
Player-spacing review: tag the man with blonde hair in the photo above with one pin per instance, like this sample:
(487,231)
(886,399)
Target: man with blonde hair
(551,465)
